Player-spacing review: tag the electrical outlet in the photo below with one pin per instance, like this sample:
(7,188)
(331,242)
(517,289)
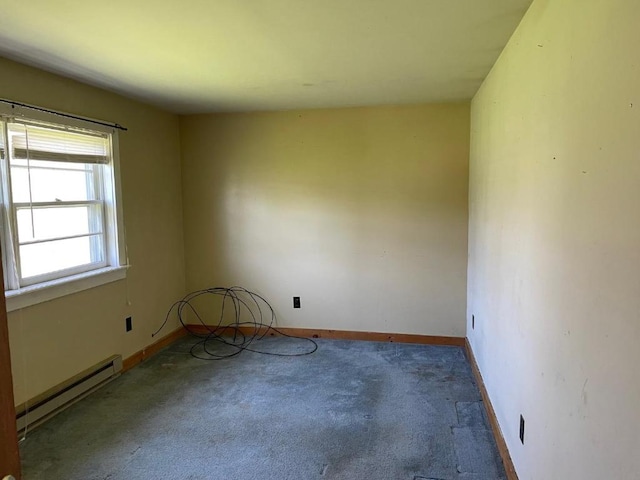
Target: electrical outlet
(128,324)
(522,429)
(473,322)
(296,302)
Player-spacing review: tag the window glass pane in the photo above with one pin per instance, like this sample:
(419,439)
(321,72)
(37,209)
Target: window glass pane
(51,184)
(56,222)
(20,184)
(47,257)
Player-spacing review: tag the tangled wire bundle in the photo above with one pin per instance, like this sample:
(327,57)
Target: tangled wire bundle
(253,319)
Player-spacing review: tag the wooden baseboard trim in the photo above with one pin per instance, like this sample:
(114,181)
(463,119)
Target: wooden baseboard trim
(493,420)
(343,335)
(140,356)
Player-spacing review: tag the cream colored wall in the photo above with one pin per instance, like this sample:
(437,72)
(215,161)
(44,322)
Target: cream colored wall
(360,212)
(554,244)
(52,341)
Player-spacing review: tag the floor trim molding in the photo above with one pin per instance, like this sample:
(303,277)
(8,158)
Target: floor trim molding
(150,350)
(493,420)
(349,335)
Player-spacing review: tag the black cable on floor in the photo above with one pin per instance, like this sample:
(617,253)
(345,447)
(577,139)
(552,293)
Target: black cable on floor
(247,312)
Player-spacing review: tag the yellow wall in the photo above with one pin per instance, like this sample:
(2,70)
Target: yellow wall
(554,239)
(361,212)
(53,341)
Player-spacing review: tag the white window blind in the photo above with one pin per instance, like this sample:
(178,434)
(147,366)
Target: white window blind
(51,144)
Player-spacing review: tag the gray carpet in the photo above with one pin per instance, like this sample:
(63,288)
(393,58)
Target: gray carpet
(352,410)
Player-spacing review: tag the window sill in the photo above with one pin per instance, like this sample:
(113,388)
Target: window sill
(43,292)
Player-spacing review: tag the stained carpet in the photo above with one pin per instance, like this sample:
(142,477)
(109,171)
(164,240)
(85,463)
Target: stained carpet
(352,410)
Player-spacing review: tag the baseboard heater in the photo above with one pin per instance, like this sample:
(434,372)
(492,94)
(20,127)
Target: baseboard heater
(53,401)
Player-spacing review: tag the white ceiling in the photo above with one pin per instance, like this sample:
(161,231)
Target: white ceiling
(196,56)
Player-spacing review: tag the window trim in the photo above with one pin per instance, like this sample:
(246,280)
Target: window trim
(115,251)
(45,291)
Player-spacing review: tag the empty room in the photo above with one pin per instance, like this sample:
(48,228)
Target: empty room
(320,240)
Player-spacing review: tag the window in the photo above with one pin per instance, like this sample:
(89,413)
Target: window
(59,217)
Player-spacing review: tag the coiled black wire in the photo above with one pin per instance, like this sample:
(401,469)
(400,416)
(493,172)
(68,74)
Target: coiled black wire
(248,312)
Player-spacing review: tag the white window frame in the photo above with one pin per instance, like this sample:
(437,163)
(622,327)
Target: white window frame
(50,286)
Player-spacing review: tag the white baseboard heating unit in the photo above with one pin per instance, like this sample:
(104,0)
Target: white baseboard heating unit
(53,401)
